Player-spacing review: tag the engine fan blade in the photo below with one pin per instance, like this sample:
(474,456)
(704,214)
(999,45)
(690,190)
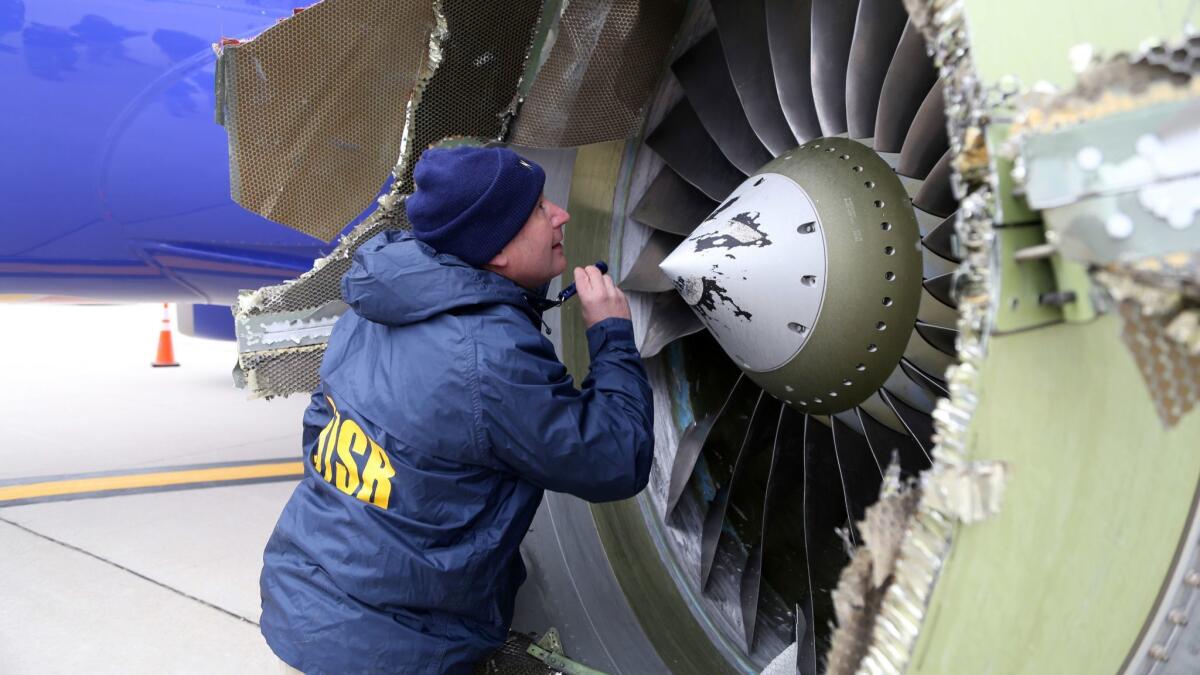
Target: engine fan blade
(832,32)
(942,288)
(933,311)
(874,406)
(902,388)
(742,25)
(936,195)
(940,337)
(645,275)
(783,467)
(926,141)
(691,444)
(682,142)
(670,319)
(854,501)
(933,265)
(714,518)
(861,429)
(705,79)
(750,585)
(935,386)
(850,419)
(926,222)
(925,356)
(855,461)
(943,239)
(806,638)
(909,77)
(825,511)
(671,204)
(789,39)
(889,445)
(876,32)
(919,425)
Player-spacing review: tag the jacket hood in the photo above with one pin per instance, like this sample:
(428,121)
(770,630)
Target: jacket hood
(396,280)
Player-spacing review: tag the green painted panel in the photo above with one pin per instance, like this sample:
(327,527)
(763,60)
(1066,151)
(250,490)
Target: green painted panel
(1063,579)
(662,612)
(1024,282)
(1074,277)
(1030,39)
(585,237)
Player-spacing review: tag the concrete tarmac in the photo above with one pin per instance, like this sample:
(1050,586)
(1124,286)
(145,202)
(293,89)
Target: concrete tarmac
(153,582)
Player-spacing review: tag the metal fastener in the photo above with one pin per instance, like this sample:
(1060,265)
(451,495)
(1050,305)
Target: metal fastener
(1089,158)
(1177,617)
(1056,298)
(1192,578)
(1159,653)
(1119,226)
(1037,252)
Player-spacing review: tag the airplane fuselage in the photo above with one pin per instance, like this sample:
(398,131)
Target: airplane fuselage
(114,178)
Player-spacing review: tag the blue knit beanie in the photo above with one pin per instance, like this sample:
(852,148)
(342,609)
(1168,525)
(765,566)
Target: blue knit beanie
(471,201)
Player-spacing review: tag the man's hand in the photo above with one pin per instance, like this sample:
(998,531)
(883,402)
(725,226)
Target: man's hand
(600,296)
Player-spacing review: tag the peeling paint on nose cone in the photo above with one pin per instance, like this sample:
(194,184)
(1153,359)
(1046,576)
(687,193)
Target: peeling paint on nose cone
(809,275)
(765,235)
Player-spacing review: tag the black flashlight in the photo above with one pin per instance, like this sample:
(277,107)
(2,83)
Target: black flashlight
(570,289)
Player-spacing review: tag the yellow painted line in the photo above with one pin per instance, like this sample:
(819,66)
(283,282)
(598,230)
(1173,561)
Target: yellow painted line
(56,488)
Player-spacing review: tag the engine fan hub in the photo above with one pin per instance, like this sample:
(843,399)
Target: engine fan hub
(809,274)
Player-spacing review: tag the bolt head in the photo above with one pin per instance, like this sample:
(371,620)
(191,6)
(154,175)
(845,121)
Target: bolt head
(1089,158)
(1119,226)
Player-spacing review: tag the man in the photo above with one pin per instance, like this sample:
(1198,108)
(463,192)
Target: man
(442,416)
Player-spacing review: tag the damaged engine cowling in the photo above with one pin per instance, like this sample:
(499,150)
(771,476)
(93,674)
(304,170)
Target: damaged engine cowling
(805,224)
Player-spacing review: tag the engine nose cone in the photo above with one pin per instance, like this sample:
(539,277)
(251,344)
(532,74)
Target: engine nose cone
(809,274)
(754,271)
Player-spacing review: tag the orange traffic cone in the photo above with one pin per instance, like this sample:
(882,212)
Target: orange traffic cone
(166,352)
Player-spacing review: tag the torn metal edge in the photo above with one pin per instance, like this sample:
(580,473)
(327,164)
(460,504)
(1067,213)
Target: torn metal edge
(970,492)
(248,311)
(225,95)
(225,114)
(247,377)
(1123,83)
(1185,329)
(276,330)
(865,580)
(537,53)
(927,541)
(595,24)
(439,33)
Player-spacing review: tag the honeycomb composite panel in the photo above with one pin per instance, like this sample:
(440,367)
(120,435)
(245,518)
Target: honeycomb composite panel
(318,111)
(318,102)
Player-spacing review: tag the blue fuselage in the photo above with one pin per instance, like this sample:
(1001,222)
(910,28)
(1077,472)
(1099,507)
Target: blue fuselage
(114,180)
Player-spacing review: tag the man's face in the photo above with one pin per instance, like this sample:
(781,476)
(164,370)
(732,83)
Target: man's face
(535,255)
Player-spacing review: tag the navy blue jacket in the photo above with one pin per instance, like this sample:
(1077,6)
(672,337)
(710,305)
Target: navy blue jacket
(442,416)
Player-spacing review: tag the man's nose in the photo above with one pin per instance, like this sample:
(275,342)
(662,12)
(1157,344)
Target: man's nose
(561,216)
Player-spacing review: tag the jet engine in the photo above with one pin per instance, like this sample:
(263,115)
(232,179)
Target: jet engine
(919,303)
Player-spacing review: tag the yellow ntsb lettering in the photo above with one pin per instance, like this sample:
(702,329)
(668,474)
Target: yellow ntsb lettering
(350,439)
(340,447)
(377,477)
